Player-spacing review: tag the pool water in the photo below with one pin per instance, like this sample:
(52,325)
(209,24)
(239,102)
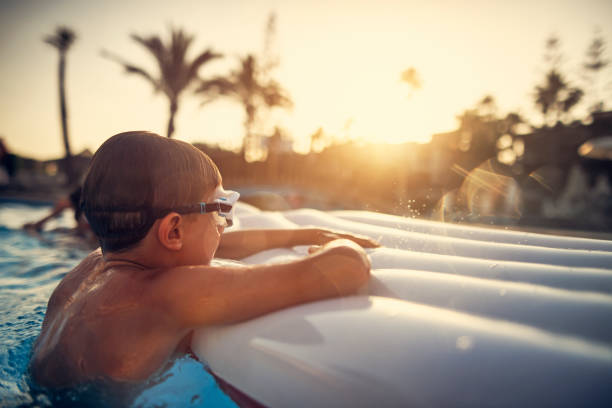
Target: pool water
(30,268)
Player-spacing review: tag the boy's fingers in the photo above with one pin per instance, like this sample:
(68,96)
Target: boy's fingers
(369,243)
(362,240)
(31,226)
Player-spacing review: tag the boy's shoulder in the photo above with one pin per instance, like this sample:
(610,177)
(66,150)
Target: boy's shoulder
(73,279)
(83,268)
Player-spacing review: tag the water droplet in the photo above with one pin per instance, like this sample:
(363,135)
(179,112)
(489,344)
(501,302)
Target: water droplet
(493,266)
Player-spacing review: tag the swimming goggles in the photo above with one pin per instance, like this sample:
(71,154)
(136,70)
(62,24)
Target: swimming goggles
(222,207)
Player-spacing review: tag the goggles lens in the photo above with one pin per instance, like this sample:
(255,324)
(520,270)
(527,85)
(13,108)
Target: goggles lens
(220,220)
(228,197)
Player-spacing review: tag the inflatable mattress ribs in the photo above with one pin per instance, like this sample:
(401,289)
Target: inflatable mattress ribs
(452,316)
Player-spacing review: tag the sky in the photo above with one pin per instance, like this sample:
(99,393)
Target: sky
(341,62)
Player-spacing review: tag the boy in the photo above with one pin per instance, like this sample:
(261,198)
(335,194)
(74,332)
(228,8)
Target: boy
(158,209)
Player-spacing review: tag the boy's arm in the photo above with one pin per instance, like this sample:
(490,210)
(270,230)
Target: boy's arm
(202,295)
(240,244)
(57,210)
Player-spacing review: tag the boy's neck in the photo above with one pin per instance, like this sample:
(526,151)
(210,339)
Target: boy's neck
(119,259)
(146,255)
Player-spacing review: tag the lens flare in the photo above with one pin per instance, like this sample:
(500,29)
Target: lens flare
(484,195)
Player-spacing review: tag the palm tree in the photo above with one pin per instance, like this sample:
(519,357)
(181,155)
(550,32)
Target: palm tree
(62,39)
(593,67)
(555,98)
(176,73)
(253,90)
(412,78)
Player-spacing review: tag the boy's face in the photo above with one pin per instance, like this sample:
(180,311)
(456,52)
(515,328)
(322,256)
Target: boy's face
(202,236)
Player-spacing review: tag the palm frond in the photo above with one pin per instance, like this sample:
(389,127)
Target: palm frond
(200,60)
(153,44)
(179,44)
(132,69)
(575,95)
(275,96)
(173,66)
(62,38)
(211,89)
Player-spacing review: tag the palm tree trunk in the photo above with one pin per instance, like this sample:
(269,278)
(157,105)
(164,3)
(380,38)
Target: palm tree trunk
(173,109)
(68,167)
(248,143)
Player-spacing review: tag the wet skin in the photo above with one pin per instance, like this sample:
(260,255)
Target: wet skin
(124,316)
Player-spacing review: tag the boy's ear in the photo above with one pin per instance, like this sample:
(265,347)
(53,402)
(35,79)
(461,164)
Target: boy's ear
(170,231)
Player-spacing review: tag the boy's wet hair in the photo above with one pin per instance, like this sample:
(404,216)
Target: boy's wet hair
(75,203)
(137,177)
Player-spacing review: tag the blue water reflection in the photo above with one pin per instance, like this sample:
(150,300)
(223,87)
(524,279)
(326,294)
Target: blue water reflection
(30,268)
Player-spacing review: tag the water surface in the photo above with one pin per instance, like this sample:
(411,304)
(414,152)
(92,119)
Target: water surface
(30,268)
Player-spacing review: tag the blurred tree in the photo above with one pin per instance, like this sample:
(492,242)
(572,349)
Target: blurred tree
(487,107)
(477,135)
(555,98)
(510,144)
(270,58)
(412,78)
(317,140)
(176,73)
(552,51)
(246,86)
(253,86)
(593,66)
(483,134)
(62,39)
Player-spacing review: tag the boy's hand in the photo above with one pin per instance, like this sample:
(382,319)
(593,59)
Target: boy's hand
(32,226)
(342,242)
(321,236)
(342,263)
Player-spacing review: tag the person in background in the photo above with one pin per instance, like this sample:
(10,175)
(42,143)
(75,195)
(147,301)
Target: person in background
(72,201)
(8,162)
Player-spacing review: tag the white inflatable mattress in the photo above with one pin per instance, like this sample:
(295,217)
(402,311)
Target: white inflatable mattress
(453,316)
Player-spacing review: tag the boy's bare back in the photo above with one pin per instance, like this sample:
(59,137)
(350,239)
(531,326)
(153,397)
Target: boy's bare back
(103,322)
